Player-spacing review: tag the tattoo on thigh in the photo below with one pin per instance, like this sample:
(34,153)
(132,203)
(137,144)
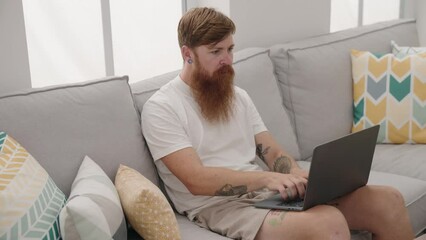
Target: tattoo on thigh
(277,217)
(282,164)
(261,152)
(229,190)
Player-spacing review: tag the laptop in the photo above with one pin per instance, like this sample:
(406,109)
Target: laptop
(337,168)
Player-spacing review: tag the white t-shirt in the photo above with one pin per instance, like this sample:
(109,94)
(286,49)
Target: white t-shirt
(171,120)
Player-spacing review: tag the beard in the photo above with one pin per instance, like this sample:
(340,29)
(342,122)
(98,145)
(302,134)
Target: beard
(214,93)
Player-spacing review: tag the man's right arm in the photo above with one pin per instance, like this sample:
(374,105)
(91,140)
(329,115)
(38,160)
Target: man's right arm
(216,181)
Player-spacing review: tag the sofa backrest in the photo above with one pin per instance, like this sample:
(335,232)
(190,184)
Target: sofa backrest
(253,73)
(315,77)
(59,125)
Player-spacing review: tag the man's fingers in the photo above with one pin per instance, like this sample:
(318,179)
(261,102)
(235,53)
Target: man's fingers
(293,186)
(300,186)
(283,193)
(289,193)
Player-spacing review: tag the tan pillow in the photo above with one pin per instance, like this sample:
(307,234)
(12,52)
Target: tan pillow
(145,206)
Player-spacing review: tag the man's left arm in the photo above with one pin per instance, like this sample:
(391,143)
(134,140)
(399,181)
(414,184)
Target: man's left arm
(275,157)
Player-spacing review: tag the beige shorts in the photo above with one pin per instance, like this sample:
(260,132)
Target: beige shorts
(236,218)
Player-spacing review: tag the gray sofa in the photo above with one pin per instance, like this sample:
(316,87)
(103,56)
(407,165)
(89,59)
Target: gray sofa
(303,91)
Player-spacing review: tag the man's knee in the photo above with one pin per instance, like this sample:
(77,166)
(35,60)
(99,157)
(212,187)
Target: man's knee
(389,202)
(329,222)
(395,195)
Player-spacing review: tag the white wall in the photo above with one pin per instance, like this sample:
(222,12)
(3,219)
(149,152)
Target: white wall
(421,21)
(222,5)
(417,9)
(14,65)
(409,10)
(267,22)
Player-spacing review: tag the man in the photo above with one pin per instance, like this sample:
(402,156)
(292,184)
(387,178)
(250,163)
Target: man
(204,134)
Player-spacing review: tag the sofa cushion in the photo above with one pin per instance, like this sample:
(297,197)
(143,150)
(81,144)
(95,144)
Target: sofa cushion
(93,210)
(30,201)
(144,89)
(189,230)
(60,125)
(145,206)
(402,51)
(402,159)
(253,73)
(391,92)
(315,77)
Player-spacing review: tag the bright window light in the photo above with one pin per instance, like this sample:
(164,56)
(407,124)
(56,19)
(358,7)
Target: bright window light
(66,39)
(380,10)
(65,42)
(344,14)
(144,35)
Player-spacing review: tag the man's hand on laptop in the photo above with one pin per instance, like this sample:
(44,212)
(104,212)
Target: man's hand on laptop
(290,186)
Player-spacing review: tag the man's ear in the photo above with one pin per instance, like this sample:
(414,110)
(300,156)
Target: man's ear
(186,53)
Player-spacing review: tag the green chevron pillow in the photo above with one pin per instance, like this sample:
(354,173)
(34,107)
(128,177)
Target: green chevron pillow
(401,52)
(93,210)
(30,201)
(390,91)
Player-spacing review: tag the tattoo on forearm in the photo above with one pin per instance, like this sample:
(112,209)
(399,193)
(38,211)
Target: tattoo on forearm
(282,164)
(261,152)
(277,217)
(229,190)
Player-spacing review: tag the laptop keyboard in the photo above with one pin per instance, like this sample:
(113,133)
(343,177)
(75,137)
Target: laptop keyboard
(294,203)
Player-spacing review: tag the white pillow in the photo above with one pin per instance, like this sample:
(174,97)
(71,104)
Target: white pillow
(93,210)
(401,52)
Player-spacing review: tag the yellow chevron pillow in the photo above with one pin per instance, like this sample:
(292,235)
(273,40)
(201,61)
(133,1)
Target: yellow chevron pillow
(390,91)
(30,201)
